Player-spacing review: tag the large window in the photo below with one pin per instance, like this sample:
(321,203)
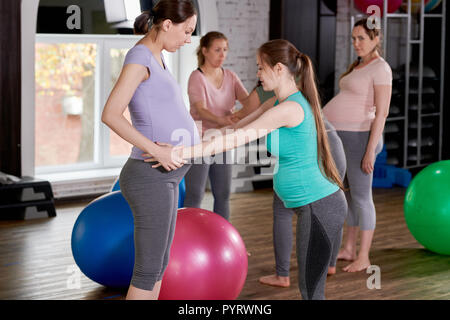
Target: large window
(117,146)
(74,76)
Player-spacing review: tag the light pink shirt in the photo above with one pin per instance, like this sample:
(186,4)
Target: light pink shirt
(218,101)
(353,108)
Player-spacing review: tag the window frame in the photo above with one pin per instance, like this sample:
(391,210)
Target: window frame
(102,158)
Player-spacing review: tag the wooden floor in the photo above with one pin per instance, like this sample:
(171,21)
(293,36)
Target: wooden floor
(36,260)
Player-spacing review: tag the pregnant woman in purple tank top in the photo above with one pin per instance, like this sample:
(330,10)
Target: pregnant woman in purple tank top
(158,116)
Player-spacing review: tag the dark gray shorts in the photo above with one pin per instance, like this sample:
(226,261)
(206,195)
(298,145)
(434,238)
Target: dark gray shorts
(319,231)
(152,195)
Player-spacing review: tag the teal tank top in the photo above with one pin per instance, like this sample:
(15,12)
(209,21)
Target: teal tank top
(297,179)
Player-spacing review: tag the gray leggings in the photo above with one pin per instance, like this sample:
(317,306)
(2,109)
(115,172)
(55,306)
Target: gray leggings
(319,228)
(220,178)
(282,216)
(361,209)
(153,198)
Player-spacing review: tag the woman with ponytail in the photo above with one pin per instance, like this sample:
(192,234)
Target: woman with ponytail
(282,216)
(157,110)
(359,113)
(305,177)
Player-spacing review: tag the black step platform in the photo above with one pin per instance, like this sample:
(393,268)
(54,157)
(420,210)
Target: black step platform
(14,201)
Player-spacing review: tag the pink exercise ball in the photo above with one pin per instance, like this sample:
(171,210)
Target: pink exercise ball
(362,5)
(208,259)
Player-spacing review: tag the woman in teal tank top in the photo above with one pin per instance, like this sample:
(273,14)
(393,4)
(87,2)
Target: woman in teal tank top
(298,180)
(306,178)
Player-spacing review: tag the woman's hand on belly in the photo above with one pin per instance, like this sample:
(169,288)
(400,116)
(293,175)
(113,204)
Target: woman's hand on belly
(167,156)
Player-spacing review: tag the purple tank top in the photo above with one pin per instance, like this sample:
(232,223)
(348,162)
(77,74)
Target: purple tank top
(157,108)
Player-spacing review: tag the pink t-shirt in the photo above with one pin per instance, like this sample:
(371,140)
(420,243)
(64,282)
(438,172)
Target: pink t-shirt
(353,108)
(219,101)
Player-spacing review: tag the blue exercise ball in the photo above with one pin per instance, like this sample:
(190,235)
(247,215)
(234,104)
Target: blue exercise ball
(103,241)
(181,195)
(116,186)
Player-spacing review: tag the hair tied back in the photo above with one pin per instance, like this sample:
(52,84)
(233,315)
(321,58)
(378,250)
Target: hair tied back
(151,17)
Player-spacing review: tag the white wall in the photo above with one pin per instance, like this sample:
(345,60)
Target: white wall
(28,25)
(246,25)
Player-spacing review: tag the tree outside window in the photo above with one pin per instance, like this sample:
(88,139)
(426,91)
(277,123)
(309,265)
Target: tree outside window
(65,96)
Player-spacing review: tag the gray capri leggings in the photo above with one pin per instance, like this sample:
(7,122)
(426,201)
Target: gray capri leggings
(220,178)
(319,226)
(282,216)
(153,198)
(361,209)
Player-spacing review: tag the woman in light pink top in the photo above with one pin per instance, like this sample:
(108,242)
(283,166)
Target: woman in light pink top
(213,92)
(359,113)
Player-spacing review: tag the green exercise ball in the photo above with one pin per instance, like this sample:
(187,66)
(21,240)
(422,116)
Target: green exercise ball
(427,207)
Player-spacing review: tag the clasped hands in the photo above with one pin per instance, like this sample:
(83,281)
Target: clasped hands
(227,120)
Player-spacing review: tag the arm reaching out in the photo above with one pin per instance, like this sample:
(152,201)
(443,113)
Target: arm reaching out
(243,122)
(287,114)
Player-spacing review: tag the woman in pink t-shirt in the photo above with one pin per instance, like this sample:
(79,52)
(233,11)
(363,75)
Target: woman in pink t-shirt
(213,92)
(359,113)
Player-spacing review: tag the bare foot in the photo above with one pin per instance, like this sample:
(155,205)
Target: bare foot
(346,255)
(331,271)
(359,264)
(275,281)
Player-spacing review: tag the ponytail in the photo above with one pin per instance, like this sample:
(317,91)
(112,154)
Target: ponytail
(141,23)
(351,68)
(307,85)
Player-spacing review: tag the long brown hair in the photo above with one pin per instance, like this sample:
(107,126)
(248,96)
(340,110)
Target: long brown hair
(178,11)
(301,68)
(206,42)
(372,32)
